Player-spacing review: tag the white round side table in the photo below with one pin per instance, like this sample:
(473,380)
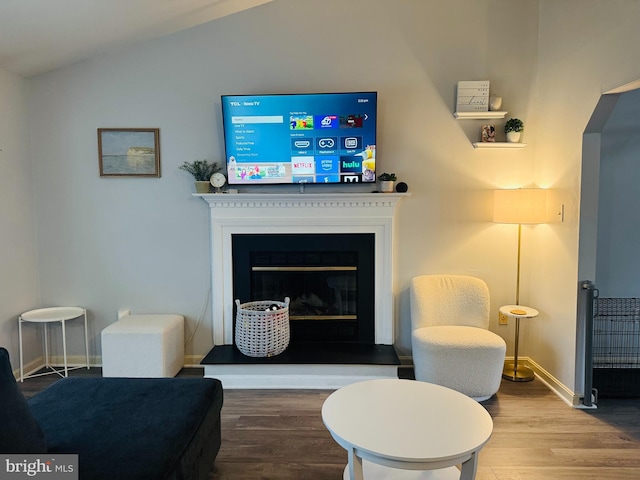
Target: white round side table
(46,316)
(512,371)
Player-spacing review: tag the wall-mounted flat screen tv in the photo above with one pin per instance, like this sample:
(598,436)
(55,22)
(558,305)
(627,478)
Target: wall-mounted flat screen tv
(300,138)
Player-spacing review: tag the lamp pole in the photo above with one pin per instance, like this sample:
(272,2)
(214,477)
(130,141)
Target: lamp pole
(511,372)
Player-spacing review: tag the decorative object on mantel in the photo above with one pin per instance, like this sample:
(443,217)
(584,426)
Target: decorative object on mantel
(129,152)
(202,171)
(495,102)
(402,187)
(513,128)
(488,133)
(218,180)
(387,182)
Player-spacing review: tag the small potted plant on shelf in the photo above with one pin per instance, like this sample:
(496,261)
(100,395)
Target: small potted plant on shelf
(513,128)
(387,182)
(201,171)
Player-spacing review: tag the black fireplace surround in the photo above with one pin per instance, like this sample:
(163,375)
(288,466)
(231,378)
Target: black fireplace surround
(328,277)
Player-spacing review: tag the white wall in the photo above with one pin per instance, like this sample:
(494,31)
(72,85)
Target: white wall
(110,243)
(143,243)
(585,49)
(19,289)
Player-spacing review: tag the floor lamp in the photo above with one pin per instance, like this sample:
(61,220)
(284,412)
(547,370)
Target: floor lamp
(519,206)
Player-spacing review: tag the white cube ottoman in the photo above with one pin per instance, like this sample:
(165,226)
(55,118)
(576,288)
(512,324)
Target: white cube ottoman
(150,345)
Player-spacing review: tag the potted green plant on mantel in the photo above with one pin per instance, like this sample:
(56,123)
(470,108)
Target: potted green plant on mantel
(201,171)
(387,182)
(513,128)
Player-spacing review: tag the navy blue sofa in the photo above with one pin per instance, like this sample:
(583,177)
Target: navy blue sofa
(129,429)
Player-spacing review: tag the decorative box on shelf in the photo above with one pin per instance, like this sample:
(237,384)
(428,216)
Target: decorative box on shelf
(473,96)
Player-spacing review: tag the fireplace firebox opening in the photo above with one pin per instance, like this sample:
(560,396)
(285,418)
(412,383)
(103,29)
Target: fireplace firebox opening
(328,277)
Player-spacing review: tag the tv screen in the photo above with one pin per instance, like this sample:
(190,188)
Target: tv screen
(300,138)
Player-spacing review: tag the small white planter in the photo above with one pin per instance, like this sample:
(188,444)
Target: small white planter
(387,186)
(513,137)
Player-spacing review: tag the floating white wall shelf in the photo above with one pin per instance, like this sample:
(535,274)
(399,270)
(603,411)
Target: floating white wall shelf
(479,115)
(498,145)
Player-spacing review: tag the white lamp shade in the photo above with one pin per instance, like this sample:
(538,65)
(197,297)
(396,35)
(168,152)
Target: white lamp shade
(522,205)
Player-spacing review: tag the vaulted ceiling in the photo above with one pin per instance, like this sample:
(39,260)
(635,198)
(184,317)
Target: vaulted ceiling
(38,36)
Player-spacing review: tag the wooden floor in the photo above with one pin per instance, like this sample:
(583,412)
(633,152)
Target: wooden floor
(279,434)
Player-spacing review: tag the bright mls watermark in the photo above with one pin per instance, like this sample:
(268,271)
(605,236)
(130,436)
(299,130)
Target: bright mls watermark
(52,467)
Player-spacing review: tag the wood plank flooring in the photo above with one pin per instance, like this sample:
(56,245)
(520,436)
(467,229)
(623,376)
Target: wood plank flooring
(279,434)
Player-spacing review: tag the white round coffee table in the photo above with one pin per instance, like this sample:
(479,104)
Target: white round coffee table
(49,315)
(407,429)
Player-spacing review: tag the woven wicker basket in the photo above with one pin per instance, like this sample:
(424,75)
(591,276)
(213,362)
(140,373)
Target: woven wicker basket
(261,333)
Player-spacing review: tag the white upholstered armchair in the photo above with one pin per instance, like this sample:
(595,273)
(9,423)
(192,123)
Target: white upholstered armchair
(451,343)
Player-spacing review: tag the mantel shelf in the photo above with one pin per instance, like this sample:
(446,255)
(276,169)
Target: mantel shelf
(309,200)
(479,115)
(498,145)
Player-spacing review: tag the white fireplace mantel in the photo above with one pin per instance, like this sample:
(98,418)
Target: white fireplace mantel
(277,213)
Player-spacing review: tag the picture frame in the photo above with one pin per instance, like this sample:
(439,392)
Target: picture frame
(488,133)
(129,152)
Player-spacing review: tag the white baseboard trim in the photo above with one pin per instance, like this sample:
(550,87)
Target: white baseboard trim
(55,361)
(193,361)
(29,367)
(303,376)
(190,361)
(326,377)
(406,360)
(553,384)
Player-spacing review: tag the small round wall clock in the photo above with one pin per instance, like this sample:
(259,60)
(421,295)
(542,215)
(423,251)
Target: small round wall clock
(218,180)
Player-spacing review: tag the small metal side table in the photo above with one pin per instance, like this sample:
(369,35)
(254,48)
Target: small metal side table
(46,316)
(512,371)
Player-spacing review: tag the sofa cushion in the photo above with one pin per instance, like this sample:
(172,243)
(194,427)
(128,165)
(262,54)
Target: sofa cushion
(19,431)
(132,429)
